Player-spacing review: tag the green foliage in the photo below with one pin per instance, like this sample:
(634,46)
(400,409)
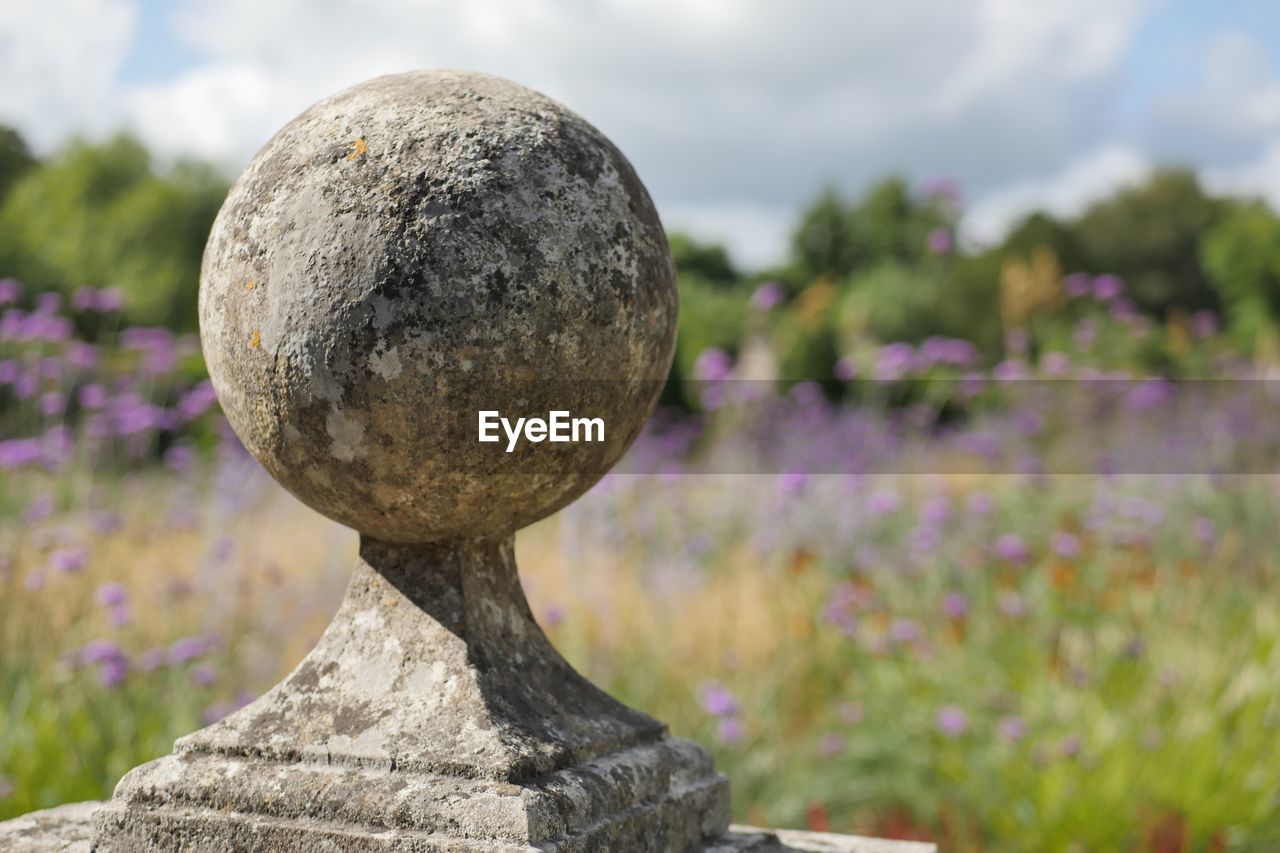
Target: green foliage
(15,159)
(710,263)
(710,316)
(1149,235)
(1242,258)
(1043,230)
(887,223)
(103,215)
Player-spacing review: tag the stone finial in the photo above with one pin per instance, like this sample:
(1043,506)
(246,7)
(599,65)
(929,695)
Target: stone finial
(409,252)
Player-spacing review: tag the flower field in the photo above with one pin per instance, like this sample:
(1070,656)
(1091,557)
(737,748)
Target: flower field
(1026,606)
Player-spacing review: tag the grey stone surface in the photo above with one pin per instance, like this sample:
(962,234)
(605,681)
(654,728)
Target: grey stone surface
(410,251)
(434,709)
(67,829)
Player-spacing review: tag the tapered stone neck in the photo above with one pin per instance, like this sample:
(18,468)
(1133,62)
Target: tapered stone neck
(433,663)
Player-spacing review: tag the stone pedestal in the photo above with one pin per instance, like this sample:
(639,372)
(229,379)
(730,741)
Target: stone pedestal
(69,829)
(433,714)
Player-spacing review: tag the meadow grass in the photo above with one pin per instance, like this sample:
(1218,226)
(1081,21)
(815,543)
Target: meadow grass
(1117,694)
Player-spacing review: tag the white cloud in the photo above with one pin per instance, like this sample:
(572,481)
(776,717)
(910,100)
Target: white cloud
(1064,193)
(733,111)
(1259,179)
(755,234)
(1229,115)
(59,61)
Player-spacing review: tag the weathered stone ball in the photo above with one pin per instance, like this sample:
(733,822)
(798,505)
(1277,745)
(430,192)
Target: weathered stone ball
(413,251)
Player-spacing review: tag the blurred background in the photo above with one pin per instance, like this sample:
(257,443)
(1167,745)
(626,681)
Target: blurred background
(958,519)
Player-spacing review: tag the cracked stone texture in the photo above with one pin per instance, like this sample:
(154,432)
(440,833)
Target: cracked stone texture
(414,249)
(433,714)
(68,829)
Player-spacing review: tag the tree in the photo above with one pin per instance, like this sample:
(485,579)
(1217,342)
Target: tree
(709,262)
(1242,258)
(102,215)
(1149,235)
(824,242)
(15,159)
(887,224)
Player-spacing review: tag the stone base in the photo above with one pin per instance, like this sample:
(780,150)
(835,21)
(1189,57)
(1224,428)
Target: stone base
(660,796)
(69,829)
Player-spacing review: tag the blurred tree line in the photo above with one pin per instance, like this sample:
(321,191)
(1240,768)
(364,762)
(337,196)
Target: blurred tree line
(884,266)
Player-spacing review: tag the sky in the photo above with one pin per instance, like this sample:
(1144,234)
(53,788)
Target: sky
(734,112)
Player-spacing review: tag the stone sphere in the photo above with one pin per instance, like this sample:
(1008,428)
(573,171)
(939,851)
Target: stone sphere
(413,251)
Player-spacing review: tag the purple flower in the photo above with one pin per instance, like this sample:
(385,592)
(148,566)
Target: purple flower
(904,631)
(1202,528)
(52,404)
(980,503)
(729,730)
(552,615)
(1065,545)
(110,299)
(717,700)
(1011,369)
(952,351)
(1071,745)
(1011,729)
(1055,364)
(884,502)
(767,296)
(1149,394)
(845,370)
(48,302)
(1076,285)
(830,745)
(112,672)
(189,649)
(19,452)
(197,401)
(68,560)
(204,675)
(712,365)
(112,595)
(1011,548)
(110,659)
(894,361)
(955,605)
(1204,324)
(120,616)
(792,483)
(179,458)
(38,510)
(93,396)
(936,510)
(10,290)
(952,721)
(1107,287)
(939,241)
